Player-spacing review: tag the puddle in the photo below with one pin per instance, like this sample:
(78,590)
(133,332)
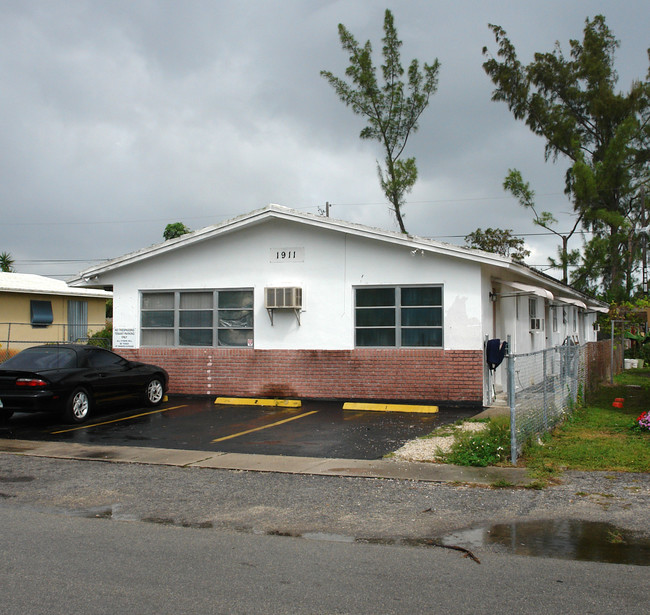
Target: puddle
(112,511)
(99,455)
(564,539)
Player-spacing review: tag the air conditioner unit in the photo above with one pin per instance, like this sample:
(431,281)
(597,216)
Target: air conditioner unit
(283,298)
(536,324)
(596,326)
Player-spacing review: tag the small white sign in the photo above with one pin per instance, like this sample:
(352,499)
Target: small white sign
(123,338)
(287,255)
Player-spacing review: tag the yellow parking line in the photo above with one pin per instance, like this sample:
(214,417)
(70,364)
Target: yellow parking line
(243,433)
(349,405)
(125,418)
(251,401)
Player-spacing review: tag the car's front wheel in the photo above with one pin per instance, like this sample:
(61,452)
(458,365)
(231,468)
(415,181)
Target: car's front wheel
(78,406)
(154,392)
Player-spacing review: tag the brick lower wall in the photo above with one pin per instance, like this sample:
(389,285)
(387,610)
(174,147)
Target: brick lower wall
(454,376)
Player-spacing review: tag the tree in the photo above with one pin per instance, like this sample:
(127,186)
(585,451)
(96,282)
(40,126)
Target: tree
(521,190)
(499,241)
(573,104)
(176,229)
(6,262)
(391,115)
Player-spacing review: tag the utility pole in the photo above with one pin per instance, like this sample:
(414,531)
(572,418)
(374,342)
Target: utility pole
(645,243)
(327,210)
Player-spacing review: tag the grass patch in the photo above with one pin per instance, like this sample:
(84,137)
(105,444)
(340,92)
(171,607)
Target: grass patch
(502,484)
(483,448)
(595,436)
(599,436)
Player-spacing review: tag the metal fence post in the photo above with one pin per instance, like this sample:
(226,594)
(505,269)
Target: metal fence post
(545,385)
(611,361)
(487,372)
(511,402)
(574,375)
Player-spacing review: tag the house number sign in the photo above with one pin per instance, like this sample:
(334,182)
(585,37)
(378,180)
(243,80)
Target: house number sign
(287,255)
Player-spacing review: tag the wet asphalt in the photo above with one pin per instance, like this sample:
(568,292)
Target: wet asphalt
(317,429)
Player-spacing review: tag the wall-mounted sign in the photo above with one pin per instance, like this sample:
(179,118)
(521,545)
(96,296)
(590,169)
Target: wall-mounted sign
(287,255)
(123,338)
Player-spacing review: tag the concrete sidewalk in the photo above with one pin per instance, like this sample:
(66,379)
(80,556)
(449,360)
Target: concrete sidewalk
(376,468)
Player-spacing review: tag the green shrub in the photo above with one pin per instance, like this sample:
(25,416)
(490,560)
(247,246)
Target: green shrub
(482,448)
(103,338)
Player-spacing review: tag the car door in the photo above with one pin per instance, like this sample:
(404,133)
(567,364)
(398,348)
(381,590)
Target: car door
(112,377)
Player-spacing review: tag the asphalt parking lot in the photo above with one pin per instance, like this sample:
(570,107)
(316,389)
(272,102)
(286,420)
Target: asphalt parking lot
(317,429)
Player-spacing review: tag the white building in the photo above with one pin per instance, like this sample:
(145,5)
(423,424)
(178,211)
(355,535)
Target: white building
(364,313)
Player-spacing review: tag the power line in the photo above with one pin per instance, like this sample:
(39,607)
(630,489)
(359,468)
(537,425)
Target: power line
(63,260)
(226,215)
(466,199)
(98,222)
(546,234)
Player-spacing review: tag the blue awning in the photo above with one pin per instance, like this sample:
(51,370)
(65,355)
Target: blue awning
(41,313)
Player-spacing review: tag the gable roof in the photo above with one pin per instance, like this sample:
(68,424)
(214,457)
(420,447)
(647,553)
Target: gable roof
(284,213)
(507,266)
(41,285)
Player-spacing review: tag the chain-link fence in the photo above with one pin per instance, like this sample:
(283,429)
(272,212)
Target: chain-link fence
(15,337)
(543,387)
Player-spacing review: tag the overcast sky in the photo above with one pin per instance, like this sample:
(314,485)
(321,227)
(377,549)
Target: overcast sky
(120,116)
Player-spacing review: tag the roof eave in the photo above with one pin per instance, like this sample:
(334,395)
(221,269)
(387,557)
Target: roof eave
(284,213)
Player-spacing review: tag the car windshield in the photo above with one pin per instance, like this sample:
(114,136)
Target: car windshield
(37,359)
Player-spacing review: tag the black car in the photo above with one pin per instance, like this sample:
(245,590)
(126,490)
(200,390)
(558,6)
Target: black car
(71,379)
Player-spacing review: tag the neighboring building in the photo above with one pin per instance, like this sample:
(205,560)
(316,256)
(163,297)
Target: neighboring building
(36,309)
(282,303)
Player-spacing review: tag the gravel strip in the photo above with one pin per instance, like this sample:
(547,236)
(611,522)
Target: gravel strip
(268,502)
(432,449)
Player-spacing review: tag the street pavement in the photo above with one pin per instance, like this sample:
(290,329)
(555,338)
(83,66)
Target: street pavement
(93,529)
(56,564)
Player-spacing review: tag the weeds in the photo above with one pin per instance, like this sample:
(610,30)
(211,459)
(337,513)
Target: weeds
(488,447)
(502,484)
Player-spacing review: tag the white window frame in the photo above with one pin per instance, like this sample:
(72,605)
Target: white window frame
(216,326)
(536,324)
(399,327)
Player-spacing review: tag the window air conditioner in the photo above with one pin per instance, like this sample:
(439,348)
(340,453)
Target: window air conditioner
(288,298)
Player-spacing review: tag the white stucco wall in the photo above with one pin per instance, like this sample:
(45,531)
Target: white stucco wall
(509,315)
(330,263)
(333,264)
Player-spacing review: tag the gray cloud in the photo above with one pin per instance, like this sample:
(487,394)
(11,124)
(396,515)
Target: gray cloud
(119,117)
